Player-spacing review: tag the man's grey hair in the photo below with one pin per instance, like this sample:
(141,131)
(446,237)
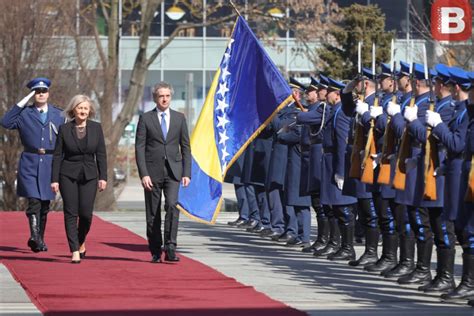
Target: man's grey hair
(162,85)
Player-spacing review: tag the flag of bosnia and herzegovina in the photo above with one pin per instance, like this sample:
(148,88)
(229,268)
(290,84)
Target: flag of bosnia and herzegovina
(247,91)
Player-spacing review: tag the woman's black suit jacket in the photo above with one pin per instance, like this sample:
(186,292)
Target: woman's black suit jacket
(69,159)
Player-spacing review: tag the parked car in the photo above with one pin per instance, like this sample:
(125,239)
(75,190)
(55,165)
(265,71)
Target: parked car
(119,176)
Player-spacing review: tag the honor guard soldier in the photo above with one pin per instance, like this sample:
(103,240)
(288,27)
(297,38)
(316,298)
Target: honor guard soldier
(384,194)
(38,125)
(297,202)
(355,187)
(233,175)
(450,141)
(314,121)
(418,205)
(406,240)
(335,165)
(453,136)
(465,219)
(275,182)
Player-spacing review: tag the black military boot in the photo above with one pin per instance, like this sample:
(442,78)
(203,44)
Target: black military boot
(334,242)
(35,238)
(370,254)
(43,221)
(422,272)
(444,279)
(388,261)
(346,252)
(407,259)
(471,303)
(465,289)
(323,236)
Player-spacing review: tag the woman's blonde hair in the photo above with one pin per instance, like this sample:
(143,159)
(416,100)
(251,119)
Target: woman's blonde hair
(75,101)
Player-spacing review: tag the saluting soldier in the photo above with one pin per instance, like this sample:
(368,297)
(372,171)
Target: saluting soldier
(38,125)
(406,239)
(314,121)
(355,187)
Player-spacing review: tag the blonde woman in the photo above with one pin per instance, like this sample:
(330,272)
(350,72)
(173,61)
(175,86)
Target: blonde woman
(79,169)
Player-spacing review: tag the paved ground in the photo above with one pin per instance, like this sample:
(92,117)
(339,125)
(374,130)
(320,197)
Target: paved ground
(316,286)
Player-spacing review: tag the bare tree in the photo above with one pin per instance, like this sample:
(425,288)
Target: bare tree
(452,53)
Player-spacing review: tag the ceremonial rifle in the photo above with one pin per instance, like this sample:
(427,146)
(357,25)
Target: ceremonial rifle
(355,169)
(389,135)
(399,180)
(431,152)
(370,150)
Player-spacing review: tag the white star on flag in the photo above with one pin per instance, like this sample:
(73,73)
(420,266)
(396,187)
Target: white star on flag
(222,121)
(226,57)
(221,105)
(224,154)
(230,43)
(225,73)
(223,137)
(222,89)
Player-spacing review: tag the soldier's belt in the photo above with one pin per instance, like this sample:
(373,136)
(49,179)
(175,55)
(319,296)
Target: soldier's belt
(39,151)
(305,147)
(329,150)
(316,141)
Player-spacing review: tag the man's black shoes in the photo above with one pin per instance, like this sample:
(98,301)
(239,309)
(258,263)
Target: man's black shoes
(156,259)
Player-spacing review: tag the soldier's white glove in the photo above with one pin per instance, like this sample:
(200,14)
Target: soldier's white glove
(393,108)
(375,111)
(350,86)
(361,107)
(25,100)
(339,181)
(376,159)
(411,113)
(433,118)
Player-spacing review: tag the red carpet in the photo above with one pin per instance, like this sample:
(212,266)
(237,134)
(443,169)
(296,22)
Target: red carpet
(116,277)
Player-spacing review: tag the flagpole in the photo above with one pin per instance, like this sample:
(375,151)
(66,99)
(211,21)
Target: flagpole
(235,8)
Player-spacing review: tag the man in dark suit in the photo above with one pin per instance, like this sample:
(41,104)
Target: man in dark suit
(163,157)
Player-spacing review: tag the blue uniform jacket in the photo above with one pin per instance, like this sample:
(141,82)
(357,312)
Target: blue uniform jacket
(294,193)
(314,121)
(336,157)
(453,137)
(381,122)
(414,188)
(465,219)
(357,188)
(261,159)
(34,170)
(279,155)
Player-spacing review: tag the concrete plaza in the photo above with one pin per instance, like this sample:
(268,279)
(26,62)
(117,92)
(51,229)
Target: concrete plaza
(316,286)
